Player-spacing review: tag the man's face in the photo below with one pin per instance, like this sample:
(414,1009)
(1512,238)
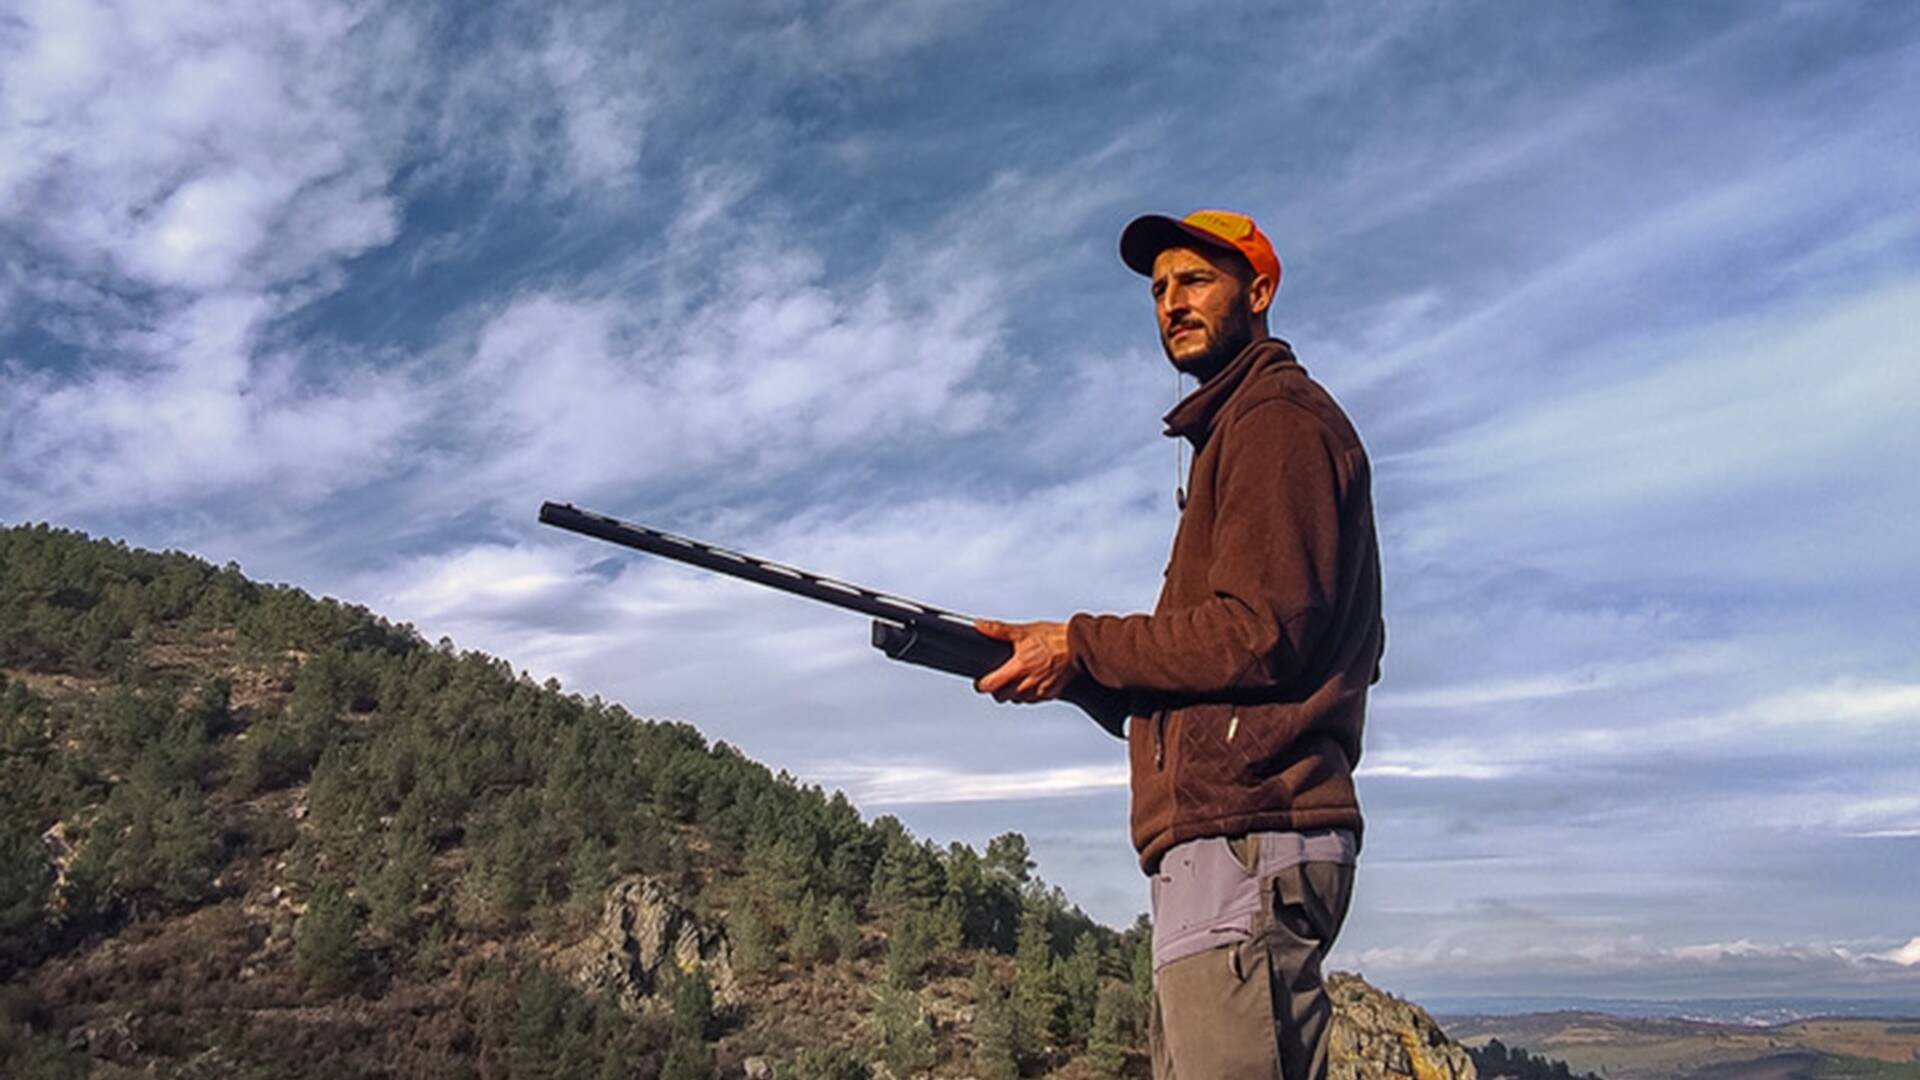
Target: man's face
(1204,308)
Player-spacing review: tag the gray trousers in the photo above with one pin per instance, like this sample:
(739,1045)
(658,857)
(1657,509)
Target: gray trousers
(1256,1008)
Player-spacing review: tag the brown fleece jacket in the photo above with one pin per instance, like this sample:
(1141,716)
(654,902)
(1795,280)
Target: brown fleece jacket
(1250,677)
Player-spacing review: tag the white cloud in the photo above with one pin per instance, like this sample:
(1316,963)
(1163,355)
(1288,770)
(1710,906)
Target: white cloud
(167,140)
(749,358)
(214,161)
(1632,965)
(1425,767)
(1850,708)
(598,78)
(1907,955)
(906,784)
(201,416)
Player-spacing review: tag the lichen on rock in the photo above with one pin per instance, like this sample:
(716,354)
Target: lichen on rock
(1377,1036)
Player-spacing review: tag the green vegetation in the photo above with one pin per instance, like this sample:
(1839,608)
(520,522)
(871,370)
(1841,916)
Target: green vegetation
(177,740)
(1496,1059)
(827,1063)
(1850,1067)
(996,1026)
(906,1032)
(326,942)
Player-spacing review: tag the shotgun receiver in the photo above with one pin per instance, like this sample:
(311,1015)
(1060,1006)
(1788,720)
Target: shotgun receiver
(903,629)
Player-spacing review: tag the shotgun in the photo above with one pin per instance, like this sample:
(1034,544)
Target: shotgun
(903,629)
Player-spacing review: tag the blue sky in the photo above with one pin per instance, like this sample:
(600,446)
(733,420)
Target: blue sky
(1622,298)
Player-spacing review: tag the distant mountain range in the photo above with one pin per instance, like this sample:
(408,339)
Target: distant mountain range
(1749,1011)
(1615,1047)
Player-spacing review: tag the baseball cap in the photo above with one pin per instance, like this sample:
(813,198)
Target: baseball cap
(1146,236)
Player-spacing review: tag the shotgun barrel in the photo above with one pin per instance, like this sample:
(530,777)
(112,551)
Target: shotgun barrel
(904,629)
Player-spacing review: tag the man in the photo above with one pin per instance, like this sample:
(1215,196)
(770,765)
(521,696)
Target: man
(1249,680)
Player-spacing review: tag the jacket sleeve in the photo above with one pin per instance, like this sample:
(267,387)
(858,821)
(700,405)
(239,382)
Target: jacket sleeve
(1273,572)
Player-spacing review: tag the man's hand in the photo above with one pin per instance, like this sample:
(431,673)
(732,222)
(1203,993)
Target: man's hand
(1040,666)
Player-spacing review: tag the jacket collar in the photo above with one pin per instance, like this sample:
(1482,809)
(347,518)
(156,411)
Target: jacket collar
(1195,415)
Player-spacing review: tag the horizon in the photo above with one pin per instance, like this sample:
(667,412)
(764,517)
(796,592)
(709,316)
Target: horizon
(1620,304)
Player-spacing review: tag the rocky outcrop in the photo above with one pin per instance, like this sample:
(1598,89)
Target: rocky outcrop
(646,935)
(1378,1036)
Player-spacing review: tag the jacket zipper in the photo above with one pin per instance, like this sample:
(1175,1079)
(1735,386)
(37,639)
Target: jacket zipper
(1160,739)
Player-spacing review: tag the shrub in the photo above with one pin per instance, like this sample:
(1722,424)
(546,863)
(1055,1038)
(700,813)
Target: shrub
(827,1063)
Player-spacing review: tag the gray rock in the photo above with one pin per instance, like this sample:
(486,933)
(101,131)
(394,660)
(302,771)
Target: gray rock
(645,935)
(1378,1036)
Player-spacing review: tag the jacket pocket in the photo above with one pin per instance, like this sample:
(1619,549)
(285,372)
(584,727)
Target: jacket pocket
(1199,747)
(1266,742)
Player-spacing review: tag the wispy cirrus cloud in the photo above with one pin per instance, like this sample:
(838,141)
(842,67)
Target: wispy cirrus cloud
(1602,966)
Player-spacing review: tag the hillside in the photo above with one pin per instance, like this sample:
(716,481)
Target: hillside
(248,833)
(1619,1048)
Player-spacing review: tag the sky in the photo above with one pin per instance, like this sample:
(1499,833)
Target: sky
(1621,297)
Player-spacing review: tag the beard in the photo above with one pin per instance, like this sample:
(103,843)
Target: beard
(1224,342)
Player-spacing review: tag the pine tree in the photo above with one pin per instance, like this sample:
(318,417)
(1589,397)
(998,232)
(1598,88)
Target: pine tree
(949,925)
(807,937)
(553,1037)
(1112,1030)
(326,949)
(693,1018)
(590,872)
(996,1035)
(843,931)
(906,1035)
(1036,992)
(689,1057)
(1141,968)
(751,940)
(1008,854)
(1080,987)
(909,949)
(26,879)
(394,889)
